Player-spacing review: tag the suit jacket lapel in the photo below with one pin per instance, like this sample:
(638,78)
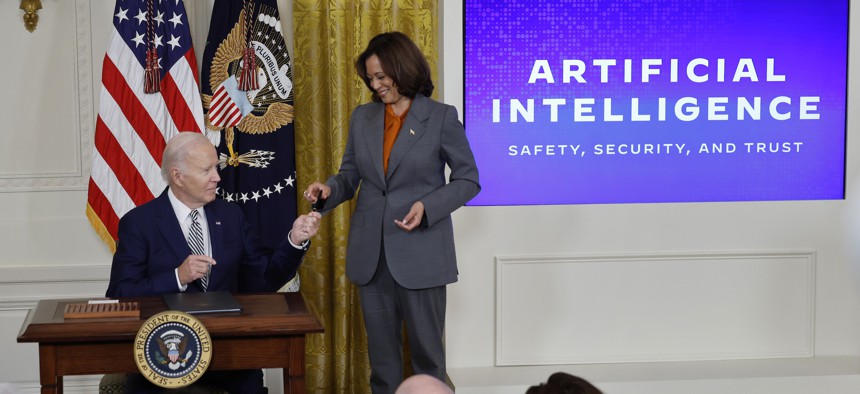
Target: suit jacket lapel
(170,229)
(411,131)
(215,234)
(373,134)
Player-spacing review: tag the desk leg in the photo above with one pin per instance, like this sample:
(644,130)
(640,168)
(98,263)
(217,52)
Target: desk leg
(294,386)
(294,375)
(51,383)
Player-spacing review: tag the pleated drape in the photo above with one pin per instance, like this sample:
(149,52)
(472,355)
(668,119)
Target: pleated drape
(329,36)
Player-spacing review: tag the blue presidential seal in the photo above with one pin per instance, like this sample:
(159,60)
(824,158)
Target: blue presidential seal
(172,349)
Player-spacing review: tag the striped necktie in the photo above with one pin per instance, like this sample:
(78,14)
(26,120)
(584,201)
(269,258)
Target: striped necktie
(195,241)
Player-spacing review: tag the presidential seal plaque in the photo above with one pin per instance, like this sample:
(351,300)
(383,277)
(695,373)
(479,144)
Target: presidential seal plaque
(172,349)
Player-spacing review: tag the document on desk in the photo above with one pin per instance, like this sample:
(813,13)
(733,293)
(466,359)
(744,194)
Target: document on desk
(205,302)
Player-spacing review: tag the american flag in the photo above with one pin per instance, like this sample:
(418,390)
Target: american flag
(133,126)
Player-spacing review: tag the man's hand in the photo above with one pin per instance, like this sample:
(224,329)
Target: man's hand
(194,267)
(305,227)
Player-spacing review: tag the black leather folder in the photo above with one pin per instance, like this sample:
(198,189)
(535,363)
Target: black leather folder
(205,302)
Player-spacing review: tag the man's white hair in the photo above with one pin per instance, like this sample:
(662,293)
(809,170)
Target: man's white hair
(177,150)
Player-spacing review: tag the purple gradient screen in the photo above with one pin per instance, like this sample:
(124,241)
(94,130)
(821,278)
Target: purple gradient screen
(589,101)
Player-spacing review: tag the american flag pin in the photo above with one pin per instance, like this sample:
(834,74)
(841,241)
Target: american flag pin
(411,131)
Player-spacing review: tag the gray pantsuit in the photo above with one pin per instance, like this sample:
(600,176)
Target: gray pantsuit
(402,275)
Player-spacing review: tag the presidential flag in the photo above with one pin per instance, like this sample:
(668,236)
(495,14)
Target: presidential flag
(149,94)
(248,97)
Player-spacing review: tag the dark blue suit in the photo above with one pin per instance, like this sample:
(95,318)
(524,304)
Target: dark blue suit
(151,246)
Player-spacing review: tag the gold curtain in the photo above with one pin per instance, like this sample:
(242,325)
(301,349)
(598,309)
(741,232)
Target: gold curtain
(329,36)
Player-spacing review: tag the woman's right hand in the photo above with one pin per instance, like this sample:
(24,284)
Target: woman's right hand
(313,191)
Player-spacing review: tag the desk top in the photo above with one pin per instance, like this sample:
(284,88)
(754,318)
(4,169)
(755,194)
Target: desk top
(265,314)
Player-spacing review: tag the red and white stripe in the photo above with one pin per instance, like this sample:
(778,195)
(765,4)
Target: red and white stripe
(223,111)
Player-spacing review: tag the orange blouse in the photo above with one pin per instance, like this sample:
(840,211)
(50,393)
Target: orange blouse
(392,128)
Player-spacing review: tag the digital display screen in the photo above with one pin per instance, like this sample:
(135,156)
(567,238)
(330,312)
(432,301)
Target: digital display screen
(634,101)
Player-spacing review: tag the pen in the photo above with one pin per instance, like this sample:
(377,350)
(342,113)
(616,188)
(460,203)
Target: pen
(319,203)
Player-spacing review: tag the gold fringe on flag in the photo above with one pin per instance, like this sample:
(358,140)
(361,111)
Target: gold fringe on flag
(100,228)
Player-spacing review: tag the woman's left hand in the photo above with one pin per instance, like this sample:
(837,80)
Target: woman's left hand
(413,218)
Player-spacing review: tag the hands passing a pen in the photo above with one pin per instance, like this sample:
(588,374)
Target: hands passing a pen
(317,193)
(196,266)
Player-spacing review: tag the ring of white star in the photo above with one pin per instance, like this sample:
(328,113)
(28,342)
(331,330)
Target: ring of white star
(256,195)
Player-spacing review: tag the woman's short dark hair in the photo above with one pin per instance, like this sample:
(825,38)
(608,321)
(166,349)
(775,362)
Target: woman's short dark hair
(401,60)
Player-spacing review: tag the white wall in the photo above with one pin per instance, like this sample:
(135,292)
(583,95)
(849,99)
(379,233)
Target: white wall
(666,298)
(772,285)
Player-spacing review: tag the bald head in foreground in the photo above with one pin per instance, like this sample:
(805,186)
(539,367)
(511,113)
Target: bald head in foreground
(423,384)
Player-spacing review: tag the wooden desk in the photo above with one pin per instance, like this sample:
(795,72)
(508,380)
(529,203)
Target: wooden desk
(268,333)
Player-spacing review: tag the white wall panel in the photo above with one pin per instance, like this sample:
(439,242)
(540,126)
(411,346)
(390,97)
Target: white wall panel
(654,307)
(47,113)
(25,366)
(23,286)
(20,289)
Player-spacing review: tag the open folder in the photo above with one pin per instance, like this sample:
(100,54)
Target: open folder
(205,302)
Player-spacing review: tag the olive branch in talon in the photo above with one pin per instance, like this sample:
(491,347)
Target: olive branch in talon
(254,158)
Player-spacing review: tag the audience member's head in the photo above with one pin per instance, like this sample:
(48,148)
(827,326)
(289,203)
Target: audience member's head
(562,383)
(423,384)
